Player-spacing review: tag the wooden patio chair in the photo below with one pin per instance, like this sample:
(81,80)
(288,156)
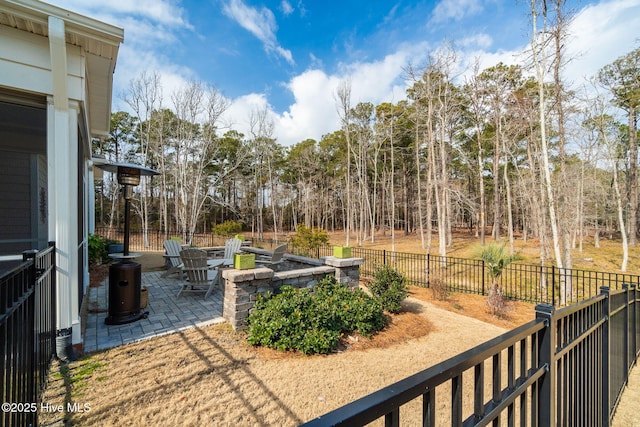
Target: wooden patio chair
(172,257)
(200,277)
(276,257)
(231,247)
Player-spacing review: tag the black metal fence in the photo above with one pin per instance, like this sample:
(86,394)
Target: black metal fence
(568,367)
(153,240)
(524,282)
(28,333)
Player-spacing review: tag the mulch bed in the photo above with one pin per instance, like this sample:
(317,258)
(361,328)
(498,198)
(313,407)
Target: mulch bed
(98,273)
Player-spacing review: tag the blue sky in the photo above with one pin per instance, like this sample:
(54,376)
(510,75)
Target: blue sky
(289,56)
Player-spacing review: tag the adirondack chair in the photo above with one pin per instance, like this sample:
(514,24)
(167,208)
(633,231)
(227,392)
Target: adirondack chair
(231,247)
(172,256)
(200,277)
(276,257)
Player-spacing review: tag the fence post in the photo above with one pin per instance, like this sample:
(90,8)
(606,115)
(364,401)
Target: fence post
(606,392)
(384,257)
(483,288)
(29,371)
(30,255)
(553,285)
(428,272)
(546,404)
(634,324)
(627,325)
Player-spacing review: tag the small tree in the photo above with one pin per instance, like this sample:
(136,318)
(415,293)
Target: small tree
(496,259)
(227,228)
(309,240)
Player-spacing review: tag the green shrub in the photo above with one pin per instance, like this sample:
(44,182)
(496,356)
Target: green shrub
(389,287)
(227,228)
(313,322)
(97,248)
(308,239)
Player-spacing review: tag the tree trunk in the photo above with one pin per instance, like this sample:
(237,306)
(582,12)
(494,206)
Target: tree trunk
(623,232)
(633,178)
(546,172)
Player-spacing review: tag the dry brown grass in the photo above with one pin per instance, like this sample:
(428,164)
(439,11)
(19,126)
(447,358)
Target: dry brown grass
(607,257)
(627,414)
(211,376)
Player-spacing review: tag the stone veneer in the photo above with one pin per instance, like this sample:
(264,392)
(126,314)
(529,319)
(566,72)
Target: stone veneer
(241,287)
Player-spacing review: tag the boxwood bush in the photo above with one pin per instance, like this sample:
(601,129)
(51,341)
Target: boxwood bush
(313,321)
(389,287)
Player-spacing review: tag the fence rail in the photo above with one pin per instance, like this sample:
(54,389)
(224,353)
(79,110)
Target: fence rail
(523,282)
(28,333)
(539,284)
(153,240)
(568,367)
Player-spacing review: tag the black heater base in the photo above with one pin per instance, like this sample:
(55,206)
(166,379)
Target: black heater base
(121,320)
(124,293)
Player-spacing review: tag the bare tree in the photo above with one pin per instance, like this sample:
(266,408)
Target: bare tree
(608,135)
(343,94)
(198,110)
(265,153)
(144,96)
(622,78)
(478,114)
(539,47)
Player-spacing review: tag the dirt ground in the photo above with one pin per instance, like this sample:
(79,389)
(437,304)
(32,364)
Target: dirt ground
(212,376)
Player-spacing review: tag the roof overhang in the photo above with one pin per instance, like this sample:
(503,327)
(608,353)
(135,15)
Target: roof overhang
(99,41)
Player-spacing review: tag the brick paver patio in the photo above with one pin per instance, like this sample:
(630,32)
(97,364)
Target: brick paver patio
(167,313)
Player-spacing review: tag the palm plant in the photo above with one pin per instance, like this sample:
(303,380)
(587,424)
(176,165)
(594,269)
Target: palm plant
(496,259)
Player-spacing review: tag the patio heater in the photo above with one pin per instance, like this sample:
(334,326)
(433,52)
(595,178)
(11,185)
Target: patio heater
(125,276)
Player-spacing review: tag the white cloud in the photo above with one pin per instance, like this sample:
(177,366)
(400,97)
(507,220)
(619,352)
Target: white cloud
(455,10)
(600,34)
(150,25)
(159,11)
(315,61)
(314,111)
(481,40)
(132,63)
(286,7)
(238,114)
(261,23)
